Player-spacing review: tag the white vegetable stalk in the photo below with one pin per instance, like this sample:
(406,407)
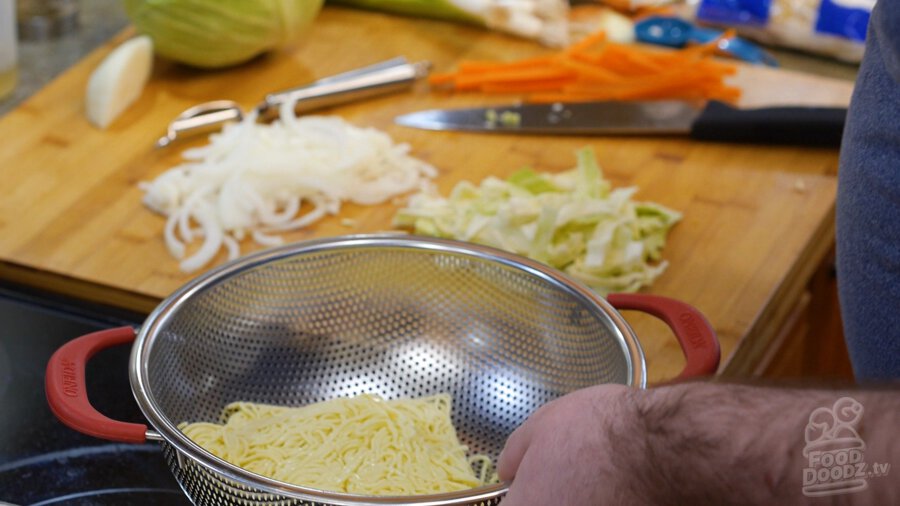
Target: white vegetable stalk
(260,180)
(543,20)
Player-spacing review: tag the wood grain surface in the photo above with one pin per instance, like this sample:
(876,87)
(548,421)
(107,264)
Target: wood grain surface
(757,220)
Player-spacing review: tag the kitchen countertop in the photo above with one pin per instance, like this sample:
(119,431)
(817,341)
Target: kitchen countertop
(758,221)
(812,64)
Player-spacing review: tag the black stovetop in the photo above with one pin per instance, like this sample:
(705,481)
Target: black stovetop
(43,462)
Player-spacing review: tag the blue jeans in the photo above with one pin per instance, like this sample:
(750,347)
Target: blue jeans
(868,205)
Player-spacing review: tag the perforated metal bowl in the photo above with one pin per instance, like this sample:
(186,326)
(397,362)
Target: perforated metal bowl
(399,316)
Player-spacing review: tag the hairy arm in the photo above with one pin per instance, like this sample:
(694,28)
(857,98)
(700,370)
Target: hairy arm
(704,443)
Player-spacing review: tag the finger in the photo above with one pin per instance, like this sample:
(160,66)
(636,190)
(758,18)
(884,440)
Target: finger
(512,497)
(525,489)
(514,449)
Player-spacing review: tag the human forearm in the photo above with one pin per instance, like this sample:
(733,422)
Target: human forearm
(710,443)
(702,443)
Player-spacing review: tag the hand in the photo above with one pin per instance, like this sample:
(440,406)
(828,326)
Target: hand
(581,449)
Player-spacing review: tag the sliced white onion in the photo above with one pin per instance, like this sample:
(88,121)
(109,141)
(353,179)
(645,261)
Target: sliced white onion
(176,247)
(257,180)
(232,246)
(212,238)
(267,240)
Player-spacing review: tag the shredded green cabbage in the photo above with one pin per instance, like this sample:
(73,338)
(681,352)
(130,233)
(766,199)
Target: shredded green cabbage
(574,221)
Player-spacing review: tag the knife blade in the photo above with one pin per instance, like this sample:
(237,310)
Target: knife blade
(716,121)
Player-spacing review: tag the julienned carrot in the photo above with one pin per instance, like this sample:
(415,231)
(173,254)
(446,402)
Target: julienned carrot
(590,72)
(627,58)
(656,89)
(587,43)
(480,66)
(594,69)
(475,80)
(524,87)
(711,47)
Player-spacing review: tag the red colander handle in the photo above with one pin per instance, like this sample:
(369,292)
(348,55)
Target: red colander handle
(694,333)
(66,387)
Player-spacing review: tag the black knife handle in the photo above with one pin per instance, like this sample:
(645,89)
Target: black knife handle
(804,126)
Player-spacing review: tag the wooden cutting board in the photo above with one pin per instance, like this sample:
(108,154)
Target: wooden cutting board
(756,219)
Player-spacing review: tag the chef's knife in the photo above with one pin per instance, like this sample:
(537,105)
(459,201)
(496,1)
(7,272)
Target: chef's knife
(717,121)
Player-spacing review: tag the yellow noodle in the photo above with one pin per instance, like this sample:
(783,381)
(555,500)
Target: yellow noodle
(360,445)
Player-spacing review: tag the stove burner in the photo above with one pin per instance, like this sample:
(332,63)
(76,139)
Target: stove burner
(132,497)
(92,475)
(43,462)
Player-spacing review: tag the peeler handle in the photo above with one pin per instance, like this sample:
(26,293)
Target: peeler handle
(694,333)
(65,386)
(378,79)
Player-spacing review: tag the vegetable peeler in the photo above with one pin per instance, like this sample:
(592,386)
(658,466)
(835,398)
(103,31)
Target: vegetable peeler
(675,32)
(377,79)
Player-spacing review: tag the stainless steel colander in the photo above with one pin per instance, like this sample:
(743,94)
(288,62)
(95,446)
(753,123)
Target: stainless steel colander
(399,316)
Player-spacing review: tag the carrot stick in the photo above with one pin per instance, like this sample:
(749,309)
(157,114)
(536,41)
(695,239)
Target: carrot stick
(587,71)
(587,42)
(595,69)
(711,47)
(640,59)
(483,66)
(524,87)
(512,75)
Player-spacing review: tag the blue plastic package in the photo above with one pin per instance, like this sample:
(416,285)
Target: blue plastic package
(843,19)
(735,12)
(830,27)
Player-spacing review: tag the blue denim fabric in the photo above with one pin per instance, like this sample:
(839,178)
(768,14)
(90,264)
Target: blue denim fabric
(868,205)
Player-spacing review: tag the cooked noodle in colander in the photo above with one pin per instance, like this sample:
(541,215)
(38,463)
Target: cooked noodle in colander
(361,445)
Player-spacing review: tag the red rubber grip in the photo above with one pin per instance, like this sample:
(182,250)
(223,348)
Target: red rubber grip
(694,333)
(66,393)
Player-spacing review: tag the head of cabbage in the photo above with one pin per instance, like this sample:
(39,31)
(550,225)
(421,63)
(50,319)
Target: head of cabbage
(214,33)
